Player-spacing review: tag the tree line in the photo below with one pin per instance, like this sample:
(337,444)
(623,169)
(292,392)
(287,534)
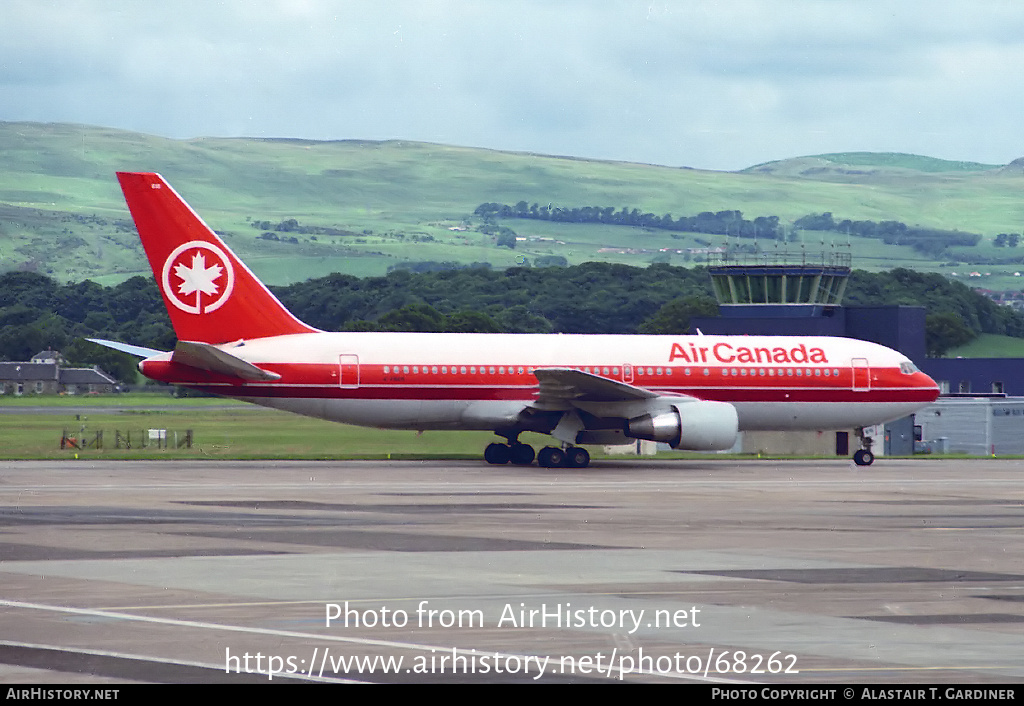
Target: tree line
(720,223)
(292,225)
(929,241)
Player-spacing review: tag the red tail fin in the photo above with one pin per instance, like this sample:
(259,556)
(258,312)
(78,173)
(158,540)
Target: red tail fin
(211,295)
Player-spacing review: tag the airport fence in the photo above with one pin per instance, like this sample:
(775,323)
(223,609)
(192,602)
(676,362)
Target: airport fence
(128,439)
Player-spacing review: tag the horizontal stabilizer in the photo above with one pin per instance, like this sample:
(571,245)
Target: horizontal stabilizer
(207,357)
(140,351)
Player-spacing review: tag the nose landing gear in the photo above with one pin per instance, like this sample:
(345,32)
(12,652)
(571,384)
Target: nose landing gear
(863,456)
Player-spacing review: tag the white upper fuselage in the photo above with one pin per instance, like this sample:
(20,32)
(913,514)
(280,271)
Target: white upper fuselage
(562,349)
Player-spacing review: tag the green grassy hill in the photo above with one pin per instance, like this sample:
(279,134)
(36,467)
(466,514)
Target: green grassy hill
(61,212)
(989,345)
(861,164)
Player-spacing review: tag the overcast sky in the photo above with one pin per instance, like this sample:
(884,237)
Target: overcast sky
(718,85)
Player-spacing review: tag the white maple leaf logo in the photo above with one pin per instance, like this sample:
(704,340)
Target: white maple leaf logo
(202,288)
(199,277)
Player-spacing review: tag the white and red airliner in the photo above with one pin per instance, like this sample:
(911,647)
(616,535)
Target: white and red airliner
(693,392)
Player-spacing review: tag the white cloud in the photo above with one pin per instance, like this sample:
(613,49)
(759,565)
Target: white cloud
(712,84)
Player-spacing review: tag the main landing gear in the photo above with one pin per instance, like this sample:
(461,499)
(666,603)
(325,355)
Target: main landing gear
(515,453)
(548,457)
(571,457)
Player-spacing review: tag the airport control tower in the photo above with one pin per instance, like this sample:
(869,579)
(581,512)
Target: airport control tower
(800,293)
(779,284)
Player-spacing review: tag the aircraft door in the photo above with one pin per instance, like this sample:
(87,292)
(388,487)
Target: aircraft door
(861,374)
(348,371)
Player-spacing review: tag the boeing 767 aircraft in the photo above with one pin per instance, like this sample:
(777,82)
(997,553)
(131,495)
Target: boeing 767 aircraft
(692,392)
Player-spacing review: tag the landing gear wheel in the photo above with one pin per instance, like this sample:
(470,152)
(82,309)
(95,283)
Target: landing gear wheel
(863,457)
(550,457)
(521,454)
(576,457)
(497,454)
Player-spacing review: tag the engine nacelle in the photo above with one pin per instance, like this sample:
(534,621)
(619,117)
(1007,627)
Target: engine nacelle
(663,426)
(697,425)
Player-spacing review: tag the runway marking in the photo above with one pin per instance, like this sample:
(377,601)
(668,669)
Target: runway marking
(99,613)
(468,652)
(165,660)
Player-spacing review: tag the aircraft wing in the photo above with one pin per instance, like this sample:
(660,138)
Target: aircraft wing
(207,357)
(596,410)
(560,388)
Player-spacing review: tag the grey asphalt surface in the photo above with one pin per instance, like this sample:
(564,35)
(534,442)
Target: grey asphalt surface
(780,572)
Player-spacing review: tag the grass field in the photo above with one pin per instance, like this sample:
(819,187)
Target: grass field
(31,427)
(61,177)
(221,429)
(989,345)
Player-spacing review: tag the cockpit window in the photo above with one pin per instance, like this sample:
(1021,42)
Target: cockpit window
(908,368)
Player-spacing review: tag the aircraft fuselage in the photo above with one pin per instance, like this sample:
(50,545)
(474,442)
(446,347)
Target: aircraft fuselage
(451,381)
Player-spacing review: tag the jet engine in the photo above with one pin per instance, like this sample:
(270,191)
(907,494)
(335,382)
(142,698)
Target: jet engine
(694,425)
